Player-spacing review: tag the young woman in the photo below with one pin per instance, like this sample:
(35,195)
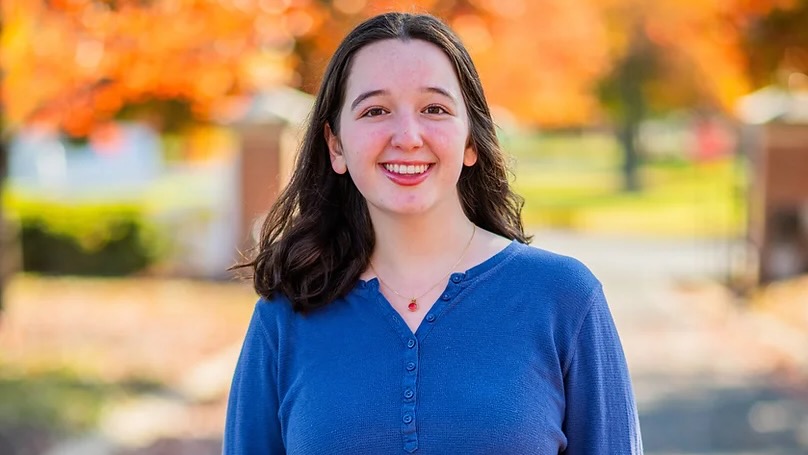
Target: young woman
(401,310)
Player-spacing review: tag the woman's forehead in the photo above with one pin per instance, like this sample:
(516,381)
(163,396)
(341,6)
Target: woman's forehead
(395,64)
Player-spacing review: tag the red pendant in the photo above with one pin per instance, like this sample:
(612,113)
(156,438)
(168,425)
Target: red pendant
(413,306)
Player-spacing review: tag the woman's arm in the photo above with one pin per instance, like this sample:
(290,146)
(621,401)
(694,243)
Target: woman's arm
(252,425)
(601,416)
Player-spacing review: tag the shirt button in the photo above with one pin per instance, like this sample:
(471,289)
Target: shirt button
(408,394)
(407,418)
(456,278)
(410,366)
(445,297)
(411,343)
(430,318)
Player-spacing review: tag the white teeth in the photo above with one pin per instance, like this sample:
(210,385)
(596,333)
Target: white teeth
(407,169)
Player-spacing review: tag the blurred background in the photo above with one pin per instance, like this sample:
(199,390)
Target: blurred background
(664,143)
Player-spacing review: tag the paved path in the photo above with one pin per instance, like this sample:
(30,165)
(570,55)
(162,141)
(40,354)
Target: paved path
(704,383)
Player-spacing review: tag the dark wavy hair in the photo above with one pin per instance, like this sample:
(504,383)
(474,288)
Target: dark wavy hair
(318,237)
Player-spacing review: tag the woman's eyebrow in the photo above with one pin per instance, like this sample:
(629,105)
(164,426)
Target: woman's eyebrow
(366,95)
(440,91)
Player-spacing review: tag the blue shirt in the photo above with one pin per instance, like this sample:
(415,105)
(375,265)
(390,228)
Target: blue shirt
(518,356)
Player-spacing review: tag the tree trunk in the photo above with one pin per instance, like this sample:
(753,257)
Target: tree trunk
(629,85)
(631,160)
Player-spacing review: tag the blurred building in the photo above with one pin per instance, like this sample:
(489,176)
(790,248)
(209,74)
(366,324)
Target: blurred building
(206,192)
(775,139)
(269,132)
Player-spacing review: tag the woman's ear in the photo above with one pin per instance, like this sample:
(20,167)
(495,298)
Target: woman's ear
(469,155)
(335,151)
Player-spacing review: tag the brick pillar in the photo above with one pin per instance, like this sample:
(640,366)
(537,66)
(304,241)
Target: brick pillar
(779,201)
(260,171)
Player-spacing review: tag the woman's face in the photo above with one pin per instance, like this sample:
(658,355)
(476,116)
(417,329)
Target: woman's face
(403,128)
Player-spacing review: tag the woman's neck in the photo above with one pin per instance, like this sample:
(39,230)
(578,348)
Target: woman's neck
(414,248)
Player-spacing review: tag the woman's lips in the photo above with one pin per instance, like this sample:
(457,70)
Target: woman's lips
(406,174)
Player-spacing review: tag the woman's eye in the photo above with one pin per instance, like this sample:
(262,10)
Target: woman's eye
(374,112)
(435,110)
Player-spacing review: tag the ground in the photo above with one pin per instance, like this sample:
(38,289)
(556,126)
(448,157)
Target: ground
(713,373)
(141,366)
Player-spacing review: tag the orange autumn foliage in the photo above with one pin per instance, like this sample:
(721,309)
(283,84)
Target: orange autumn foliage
(73,64)
(543,60)
(536,59)
(540,60)
(697,43)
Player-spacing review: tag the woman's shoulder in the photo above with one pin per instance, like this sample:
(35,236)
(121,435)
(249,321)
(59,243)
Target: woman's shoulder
(551,267)
(273,314)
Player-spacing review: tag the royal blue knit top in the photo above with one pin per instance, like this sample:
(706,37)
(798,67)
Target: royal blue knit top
(518,356)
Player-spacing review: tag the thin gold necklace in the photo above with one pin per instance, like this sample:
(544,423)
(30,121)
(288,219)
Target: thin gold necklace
(413,305)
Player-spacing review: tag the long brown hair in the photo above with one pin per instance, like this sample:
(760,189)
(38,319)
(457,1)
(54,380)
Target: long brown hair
(318,237)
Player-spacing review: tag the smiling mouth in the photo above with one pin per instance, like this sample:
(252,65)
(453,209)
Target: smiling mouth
(406,169)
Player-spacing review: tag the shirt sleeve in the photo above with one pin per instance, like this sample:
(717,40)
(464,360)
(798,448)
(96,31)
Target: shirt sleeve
(252,425)
(601,415)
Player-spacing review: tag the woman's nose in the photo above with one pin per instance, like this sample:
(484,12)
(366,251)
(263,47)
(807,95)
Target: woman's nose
(407,133)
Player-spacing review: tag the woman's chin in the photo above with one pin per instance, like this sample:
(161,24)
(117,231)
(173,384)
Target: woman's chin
(405,209)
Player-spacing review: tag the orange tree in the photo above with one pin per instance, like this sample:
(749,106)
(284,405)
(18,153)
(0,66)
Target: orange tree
(673,54)
(74,65)
(777,45)
(539,60)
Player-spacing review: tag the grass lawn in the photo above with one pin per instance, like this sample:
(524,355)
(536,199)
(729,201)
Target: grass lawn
(574,182)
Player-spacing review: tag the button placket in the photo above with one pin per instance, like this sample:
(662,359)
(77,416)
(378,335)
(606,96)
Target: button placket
(409,396)
(410,347)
